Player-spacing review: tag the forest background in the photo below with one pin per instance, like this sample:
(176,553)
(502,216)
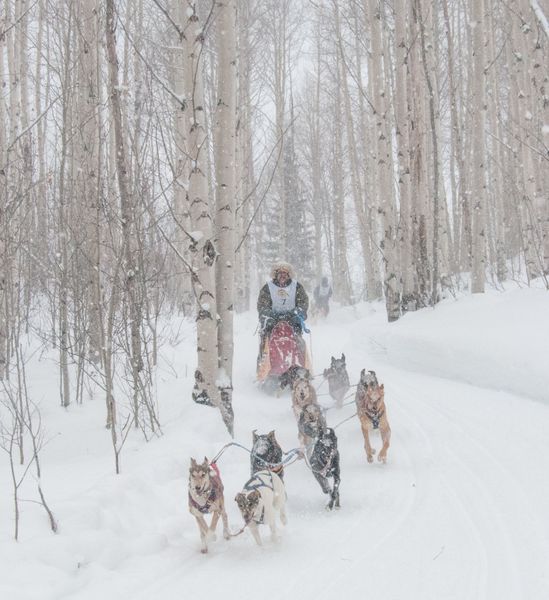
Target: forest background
(157,156)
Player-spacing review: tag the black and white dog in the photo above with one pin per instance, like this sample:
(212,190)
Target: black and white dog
(338,379)
(324,461)
(266,451)
(324,455)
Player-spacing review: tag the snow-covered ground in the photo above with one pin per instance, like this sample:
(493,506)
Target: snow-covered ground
(460,511)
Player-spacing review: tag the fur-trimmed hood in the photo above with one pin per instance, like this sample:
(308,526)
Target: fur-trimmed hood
(282,266)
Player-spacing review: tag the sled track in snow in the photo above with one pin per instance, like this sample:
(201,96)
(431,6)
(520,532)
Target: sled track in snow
(503,525)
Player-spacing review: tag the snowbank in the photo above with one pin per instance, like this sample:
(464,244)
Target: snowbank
(498,340)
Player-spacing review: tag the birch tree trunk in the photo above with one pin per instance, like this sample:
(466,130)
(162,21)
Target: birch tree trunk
(342,288)
(356,185)
(89,167)
(205,389)
(225,196)
(478,156)
(385,189)
(127,209)
(181,214)
(245,184)
(428,73)
(402,118)
(374,288)
(4,336)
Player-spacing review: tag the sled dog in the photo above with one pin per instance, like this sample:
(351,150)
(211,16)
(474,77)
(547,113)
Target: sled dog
(266,451)
(324,462)
(262,497)
(206,497)
(338,379)
(293,374)
(310,424)
(370,406)
(303,393)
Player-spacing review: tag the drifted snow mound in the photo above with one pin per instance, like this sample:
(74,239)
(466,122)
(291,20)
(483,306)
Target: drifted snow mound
(498,340)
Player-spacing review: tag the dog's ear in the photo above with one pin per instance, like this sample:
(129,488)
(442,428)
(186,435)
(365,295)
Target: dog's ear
(382,388)
(362,373)
(206,462)
(239,498)
(343,357)
(254,496)
(254,436)
(193,463)
(333,361)
(271,435)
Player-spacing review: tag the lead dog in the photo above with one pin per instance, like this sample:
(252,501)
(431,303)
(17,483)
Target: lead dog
(262,497)
(338,379)
(370,406)
(206,497)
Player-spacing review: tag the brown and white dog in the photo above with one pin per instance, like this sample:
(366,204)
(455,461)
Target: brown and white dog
(370,406)
(259,502)
(303,393)
(206,497)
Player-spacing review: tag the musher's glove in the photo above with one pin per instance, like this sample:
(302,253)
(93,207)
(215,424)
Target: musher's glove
(266,320)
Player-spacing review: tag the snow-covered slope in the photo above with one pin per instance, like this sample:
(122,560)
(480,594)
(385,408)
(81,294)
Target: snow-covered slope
(458,512)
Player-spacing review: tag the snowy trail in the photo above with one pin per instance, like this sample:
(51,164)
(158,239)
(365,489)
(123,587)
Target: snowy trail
(457,513)
(491,495)
(446,515)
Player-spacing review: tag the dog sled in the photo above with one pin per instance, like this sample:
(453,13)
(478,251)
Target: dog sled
(281,349)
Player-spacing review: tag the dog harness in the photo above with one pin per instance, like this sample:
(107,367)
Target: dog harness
(250,487)
(328,465)
(375,417)
(212,497)
(329,459)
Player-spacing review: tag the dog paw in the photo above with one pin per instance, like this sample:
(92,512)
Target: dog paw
(204,550)
(370,458)
(382,458)
(226,535)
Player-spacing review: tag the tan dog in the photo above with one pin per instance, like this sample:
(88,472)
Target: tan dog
(206,497)
(303,393)
(370,406)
